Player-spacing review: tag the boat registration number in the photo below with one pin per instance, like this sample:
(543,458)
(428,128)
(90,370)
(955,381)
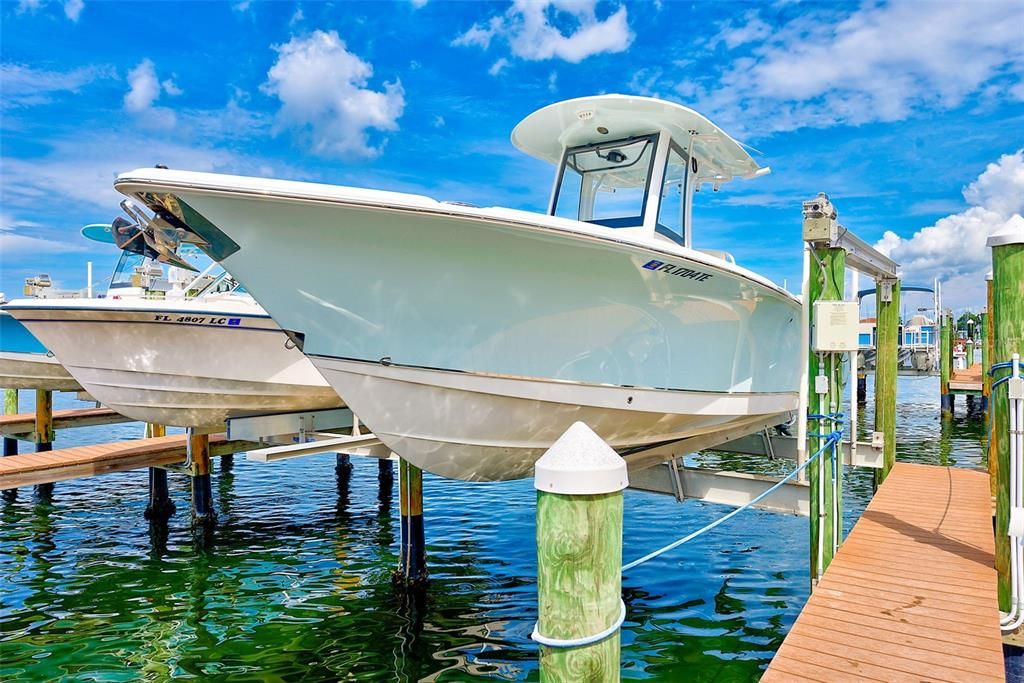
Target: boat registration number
(199,320)
(680,271)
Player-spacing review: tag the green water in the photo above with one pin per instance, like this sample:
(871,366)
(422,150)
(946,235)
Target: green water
(294,584)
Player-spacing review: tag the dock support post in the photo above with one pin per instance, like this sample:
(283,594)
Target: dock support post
(579,483)
(343,462)
(160,507)
(44,435)
(945,365)
(412,561)
(1008,338)
(986,348)
(202,489)
(970,354)
(862,387)
(826,281)
(886,370)
(10,444)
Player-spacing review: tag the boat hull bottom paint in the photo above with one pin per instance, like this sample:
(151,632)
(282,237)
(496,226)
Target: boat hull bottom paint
(202,402)
(34,371)
(489,428)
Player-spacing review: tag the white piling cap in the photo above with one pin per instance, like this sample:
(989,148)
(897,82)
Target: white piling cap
(1013,234)
(580,463)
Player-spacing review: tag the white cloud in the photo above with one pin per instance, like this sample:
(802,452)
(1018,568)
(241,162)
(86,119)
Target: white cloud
(242,6)
(417,4)
(749,30)
(882,62)
(29,5)
(144,90)
(297,17)
(323,93)
(25,86)
(73,9)
(533,30)
(14,241)
(498,67)
(438,122)
(954,248)
(553,81)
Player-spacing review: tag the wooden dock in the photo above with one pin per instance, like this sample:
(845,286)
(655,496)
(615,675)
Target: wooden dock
(22,424)
(85,461)
(911,594)
(968,381)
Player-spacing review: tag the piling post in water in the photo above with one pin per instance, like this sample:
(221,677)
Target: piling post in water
(579,483)
(160,507)
(43,435)
(945,365)
(826,282)
(202,489)
(886,372)
(862,386)
(986,348)
(970,353)
(412,558)
(1008,338)
(10,443)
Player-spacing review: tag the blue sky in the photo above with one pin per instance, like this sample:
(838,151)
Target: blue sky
(909,114)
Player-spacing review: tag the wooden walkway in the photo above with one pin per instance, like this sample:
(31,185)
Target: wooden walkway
(968,380)
(911,595)
(25,423)
(87,461)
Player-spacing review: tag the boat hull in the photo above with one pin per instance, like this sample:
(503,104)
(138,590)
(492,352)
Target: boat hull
(188,367)
(486,428)
(34,371)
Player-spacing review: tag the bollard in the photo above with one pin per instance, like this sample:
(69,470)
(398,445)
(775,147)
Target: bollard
(412,562)
(202,489)
(579,483)
(1008,338)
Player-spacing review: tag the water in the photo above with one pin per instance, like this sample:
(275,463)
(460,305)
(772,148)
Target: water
(294,583)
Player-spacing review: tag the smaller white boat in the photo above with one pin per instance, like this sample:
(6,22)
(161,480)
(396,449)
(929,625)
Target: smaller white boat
(179,359)
(26,364)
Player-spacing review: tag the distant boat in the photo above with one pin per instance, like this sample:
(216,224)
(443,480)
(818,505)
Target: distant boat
(155,350)
(468,339)
(26,364)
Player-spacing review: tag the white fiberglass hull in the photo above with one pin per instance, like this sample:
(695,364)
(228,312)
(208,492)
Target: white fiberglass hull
(34,371)
(190,364)
(396,281)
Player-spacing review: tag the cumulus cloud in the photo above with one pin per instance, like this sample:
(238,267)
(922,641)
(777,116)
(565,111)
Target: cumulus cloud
(954,248)
(144,89)
(534,30)
(15,241)
(73,9)
(881,62)
(323,91)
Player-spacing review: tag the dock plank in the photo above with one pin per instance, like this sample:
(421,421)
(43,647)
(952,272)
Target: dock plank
(969,379)
(25,423)
(911,594)
(86,461)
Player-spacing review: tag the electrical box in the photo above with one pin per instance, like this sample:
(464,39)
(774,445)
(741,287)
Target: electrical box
(836,326)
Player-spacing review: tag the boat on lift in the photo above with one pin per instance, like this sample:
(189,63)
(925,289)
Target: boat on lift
(175,348)
(26,364)
(469,339)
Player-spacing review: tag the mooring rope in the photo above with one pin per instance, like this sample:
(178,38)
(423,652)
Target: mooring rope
(832,440)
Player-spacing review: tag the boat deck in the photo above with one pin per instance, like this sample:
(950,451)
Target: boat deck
(25,423)
(911,594)
(85,461)
(966,381)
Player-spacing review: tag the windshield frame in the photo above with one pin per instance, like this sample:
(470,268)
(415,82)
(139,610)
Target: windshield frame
(634,221)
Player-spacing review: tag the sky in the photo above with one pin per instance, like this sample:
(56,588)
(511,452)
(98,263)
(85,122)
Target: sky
(909,114)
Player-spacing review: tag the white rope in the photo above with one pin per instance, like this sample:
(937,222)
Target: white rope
(580,642)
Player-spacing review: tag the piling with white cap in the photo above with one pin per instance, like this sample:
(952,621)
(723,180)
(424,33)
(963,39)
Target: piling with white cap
(579,483)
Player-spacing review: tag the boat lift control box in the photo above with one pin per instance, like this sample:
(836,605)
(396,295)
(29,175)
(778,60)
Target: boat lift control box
(836,326)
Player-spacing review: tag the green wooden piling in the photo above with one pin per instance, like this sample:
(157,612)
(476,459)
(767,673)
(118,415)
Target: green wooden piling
(579,483)
(160,506)
(44,434)
(969,361)
(986,386)
(1008,338)
(886,371)
(945,365)
(827,279)
(10,408)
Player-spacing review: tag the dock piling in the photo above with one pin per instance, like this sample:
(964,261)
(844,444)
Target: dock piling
(160,507)
(886,370)
(412,562)
(43,435)
(202,489)
(986,348)
(1008,338)
(10,443)
(579,483)
(945,365)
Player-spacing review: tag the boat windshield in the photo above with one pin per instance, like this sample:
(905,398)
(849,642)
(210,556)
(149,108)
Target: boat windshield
(126,271)
(606,183)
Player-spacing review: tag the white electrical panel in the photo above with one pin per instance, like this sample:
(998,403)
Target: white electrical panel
(836,324)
